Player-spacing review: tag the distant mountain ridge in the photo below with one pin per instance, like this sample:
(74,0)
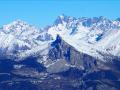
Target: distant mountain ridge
(71,54)
(87,35)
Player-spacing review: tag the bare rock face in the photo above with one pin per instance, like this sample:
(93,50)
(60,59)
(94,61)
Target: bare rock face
(61,50)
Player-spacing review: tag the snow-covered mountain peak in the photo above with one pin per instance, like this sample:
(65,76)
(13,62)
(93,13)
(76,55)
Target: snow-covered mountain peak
(91,34)
(87,35)
(62,16)
(19,21)
(94,23)
(18,26)
(19,36)
(60,19)
(102,18)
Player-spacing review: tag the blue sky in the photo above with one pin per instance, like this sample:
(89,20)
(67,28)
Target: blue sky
(43,12)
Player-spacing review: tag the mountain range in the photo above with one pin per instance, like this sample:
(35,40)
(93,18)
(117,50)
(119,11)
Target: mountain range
(72,54)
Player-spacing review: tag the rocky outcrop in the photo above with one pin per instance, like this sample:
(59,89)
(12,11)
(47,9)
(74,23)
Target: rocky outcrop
(61,50)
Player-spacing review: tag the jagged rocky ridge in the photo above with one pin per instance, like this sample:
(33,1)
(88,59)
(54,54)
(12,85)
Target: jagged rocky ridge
(59,58)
